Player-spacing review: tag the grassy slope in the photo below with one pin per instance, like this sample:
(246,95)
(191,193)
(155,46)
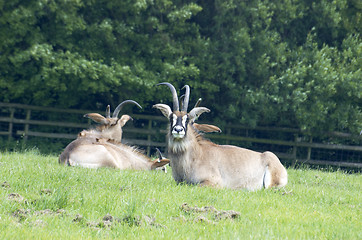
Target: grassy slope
(147,205)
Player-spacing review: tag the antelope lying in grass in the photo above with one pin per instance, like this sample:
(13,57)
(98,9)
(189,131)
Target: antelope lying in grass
(102,147)
(195,160)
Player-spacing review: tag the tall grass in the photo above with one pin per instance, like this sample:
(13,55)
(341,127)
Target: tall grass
(43,200)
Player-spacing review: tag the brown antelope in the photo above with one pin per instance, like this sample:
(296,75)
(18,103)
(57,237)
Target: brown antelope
(102,147)
(195,160)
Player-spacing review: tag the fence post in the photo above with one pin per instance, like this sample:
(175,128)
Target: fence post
(11,124)
(294,153)
(149,138)
(309,149)
(26,128)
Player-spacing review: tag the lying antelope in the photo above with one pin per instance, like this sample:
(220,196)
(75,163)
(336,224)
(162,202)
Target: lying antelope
(102,147)
(195,160)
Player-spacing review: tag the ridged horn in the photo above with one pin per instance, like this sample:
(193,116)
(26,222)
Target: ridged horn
(120,106)
(108,111)
(160,157)
(185,104)
(181,100)
(198,103)
(176,105)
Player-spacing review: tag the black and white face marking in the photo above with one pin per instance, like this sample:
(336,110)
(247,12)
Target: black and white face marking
(178,125)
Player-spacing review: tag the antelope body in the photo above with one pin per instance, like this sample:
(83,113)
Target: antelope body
(195,160)
(102,147)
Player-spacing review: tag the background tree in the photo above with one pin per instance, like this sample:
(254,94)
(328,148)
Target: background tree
(282,63)
(285,63)
(80,53)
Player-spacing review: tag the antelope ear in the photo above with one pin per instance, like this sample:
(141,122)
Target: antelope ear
(196,112)
(159,163)
(207,128)
(165,109)
(97,118)
(124,119)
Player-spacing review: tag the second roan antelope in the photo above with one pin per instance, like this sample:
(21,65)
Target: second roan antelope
(102,147)
(195,160)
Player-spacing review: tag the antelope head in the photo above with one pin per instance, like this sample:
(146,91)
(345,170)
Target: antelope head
(179,120)
(110,127)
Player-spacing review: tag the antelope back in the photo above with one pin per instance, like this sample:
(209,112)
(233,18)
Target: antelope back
(96,153)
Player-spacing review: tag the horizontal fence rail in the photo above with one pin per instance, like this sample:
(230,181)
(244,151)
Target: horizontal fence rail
(291,145)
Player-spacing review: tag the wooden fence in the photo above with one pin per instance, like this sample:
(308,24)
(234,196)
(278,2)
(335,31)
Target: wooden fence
(291,145)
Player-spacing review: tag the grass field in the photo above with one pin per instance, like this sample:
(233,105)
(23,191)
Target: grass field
(40,199)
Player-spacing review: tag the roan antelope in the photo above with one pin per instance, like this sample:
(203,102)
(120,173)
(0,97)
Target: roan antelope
(195,160)
(102,147)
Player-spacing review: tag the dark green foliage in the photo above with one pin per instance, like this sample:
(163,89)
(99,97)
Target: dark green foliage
(80,53)
(286,63)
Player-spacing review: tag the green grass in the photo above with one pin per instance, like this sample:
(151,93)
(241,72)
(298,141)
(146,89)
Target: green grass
(40,199)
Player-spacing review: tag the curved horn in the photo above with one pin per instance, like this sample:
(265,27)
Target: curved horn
(160,157)
(120,106)
(198,103)
(174,95)
(181,100)
(108,111)
(187,98)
